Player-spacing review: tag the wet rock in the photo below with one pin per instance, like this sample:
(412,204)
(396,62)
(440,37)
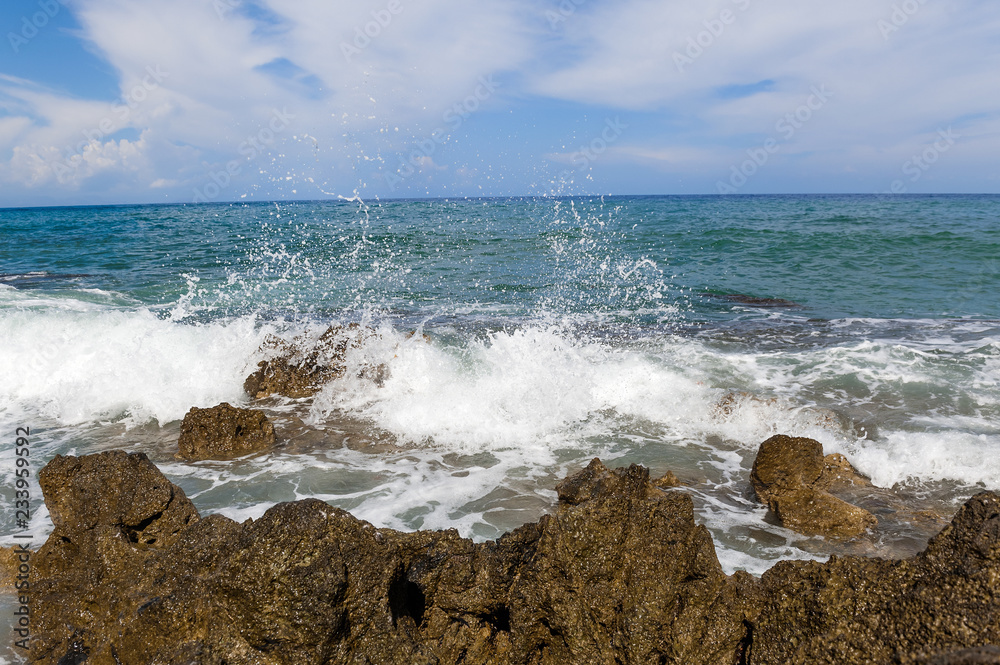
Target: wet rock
(223,432)
(731,403)
(756,301)
(620,573)
(111,513)
(662,594)
(792,477)
(667,481)
(738,405)
(301,368)
(857,610)
(840,474)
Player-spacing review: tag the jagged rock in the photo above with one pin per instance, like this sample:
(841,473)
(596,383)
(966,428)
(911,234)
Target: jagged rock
(791,476)
(621,571)
(732,402)
(301,368)
(856,610)
(111,513)
(223,432)
(667,481)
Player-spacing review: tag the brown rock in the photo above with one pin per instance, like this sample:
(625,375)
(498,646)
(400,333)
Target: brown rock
(123,490)
(786,463)
(620,573)
(856,610)
(223,432)
(668,480)
(791,475)
(301,368)
(813,511)
(111,513)
(839,474)
(283,377)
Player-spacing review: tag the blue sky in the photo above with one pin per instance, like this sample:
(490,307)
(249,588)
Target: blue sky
(120,101)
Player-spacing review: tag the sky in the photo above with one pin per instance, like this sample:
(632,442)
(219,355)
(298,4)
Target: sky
(145,101)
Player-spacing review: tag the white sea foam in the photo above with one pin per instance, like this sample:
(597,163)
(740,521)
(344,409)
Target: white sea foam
(902,457)
(541,388)
(484,424)
(80,362)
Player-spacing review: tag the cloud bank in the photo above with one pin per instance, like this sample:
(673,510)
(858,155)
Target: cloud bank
(237,100)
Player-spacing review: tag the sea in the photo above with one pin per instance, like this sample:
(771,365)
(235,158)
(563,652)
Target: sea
(519,338)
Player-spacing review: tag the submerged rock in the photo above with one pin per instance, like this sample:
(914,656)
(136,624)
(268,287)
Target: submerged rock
(223,432)
(300,368)
(792,477)
(755,301)
(620,573)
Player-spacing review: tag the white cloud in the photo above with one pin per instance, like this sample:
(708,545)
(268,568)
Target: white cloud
(197,85)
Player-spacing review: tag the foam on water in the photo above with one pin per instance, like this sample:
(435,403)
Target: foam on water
(482,424)
(74,362)
(542,388)
(902,457)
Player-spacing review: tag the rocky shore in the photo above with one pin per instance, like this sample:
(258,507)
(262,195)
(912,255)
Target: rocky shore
(619,573)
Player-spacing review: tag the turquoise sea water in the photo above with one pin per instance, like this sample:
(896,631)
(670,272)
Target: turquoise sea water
(677,332)
(839,256)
